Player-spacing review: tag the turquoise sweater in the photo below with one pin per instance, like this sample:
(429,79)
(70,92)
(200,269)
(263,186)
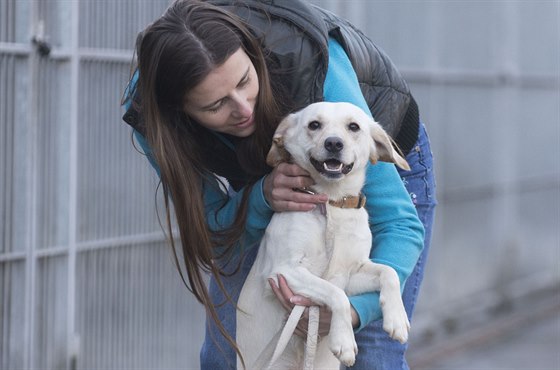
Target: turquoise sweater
(398,234)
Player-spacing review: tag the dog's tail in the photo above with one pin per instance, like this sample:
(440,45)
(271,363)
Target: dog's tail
(286,334)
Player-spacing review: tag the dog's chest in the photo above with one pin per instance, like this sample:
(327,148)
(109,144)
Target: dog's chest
(317,240)
(348,236)
(296,234)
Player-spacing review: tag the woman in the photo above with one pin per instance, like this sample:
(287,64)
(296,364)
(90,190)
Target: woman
(213,81)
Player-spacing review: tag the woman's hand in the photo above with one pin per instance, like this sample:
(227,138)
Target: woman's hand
(288,300)
(279,188)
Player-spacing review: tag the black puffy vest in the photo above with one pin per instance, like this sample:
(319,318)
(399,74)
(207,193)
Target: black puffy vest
(295,35)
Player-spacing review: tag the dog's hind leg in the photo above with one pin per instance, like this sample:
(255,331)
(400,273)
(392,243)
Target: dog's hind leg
(377,277)
(341,337)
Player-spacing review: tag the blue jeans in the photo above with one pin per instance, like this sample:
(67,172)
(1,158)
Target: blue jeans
(376,349)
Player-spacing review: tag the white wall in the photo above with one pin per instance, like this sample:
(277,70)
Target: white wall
(486,75)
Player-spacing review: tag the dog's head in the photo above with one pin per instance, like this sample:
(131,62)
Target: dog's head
(331,140)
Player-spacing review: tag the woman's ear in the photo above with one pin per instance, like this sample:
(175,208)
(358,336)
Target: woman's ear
(278,153)
(382,148)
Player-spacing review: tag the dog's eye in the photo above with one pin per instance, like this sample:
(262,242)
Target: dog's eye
(354,127)
(314,125)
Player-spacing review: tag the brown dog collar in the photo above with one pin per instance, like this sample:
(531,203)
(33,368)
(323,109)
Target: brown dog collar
(349,201)
(352,201)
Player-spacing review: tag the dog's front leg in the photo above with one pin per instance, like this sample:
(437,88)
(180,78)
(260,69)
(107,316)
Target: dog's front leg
(341,335)
(377,277)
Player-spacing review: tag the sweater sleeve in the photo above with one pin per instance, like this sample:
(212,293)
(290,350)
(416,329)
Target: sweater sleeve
(398,234)
(221,204)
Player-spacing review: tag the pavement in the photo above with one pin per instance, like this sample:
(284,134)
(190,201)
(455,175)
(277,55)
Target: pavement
(526,339)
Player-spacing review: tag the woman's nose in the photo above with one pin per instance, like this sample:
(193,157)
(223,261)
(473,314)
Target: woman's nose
(243,107)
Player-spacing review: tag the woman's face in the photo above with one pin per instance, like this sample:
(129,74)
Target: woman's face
(225,100)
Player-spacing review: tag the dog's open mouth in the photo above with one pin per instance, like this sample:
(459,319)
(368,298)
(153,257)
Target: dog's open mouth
(331,167)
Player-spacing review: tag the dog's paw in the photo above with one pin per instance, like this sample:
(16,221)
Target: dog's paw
(344,349)
(396,324)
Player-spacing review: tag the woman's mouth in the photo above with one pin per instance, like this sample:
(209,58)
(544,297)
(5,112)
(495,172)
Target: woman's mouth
(243,124)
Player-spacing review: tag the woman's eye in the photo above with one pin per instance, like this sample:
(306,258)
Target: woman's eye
(354,127)
(216,107)
(314,125)
(245,82)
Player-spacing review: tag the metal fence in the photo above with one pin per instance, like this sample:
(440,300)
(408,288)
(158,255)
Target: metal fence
(86,280)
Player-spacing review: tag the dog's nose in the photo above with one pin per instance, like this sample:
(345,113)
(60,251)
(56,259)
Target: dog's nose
(334,144)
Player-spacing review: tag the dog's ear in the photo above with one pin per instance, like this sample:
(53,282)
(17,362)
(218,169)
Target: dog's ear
(278,153)
(383,149)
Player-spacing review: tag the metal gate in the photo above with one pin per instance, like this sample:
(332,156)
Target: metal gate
(86,278)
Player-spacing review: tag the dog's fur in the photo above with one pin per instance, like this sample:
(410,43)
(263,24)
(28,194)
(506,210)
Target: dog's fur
(322,256)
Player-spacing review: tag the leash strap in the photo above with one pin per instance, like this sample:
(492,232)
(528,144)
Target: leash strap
(312,338)
(288,331)
(286,334)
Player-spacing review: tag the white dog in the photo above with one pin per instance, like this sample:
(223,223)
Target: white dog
(323,255)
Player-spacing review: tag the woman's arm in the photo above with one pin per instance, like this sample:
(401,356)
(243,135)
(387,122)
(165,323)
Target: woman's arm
(398,234)
(221,206)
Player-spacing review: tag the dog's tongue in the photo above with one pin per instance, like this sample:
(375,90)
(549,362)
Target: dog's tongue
(332,165)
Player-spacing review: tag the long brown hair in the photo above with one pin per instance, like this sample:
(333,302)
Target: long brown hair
(176,53)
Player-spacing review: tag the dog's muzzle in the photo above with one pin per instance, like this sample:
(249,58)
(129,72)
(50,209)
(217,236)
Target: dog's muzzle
(331,167)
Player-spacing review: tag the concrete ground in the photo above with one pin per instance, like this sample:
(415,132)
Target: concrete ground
(528,340)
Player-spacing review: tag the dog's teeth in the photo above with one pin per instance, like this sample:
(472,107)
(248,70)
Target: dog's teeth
(337,169)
